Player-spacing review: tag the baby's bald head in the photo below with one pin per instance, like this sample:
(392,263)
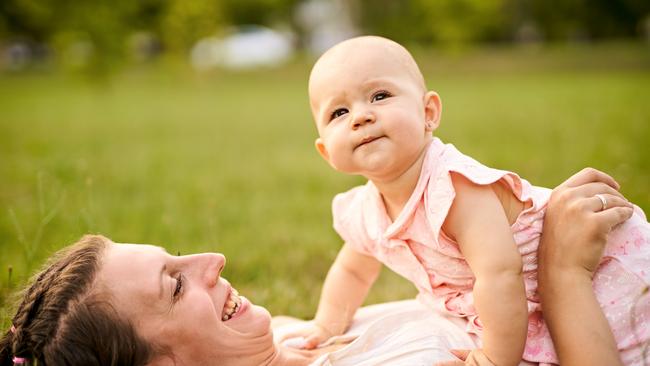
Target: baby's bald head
(362,53)
(370,87)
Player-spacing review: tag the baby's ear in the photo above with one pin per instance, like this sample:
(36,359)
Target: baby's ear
(432,110)
(322,150)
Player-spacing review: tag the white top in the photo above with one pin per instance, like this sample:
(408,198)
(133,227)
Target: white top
(402,333)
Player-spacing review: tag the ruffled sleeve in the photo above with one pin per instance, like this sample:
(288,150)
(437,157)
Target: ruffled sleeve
(440,192)
(348,219)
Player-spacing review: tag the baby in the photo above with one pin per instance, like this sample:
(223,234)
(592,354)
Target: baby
(466,235)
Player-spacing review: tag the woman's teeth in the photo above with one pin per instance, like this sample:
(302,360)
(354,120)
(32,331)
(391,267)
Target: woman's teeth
(232,305)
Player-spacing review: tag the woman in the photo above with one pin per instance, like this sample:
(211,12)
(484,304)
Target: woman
(100,303)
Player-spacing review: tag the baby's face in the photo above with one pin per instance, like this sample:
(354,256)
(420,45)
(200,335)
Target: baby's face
(371,108)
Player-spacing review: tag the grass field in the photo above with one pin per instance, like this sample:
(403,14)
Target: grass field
(225,161)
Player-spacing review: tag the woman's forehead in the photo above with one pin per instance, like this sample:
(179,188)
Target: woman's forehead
(132,272)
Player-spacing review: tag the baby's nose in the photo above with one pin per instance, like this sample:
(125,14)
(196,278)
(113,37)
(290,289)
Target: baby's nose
(363,118)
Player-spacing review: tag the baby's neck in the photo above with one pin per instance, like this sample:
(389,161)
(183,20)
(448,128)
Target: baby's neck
(396,192)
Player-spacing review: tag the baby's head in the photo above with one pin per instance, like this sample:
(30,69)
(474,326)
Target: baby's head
(372,110)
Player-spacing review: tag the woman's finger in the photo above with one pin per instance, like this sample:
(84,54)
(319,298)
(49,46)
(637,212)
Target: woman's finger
(614,216)
(605,201)
(594,188)
(590,175)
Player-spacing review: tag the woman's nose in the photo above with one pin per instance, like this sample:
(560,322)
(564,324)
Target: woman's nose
(211,266)
(362,118)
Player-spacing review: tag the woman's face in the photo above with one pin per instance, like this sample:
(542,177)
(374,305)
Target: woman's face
(183,305)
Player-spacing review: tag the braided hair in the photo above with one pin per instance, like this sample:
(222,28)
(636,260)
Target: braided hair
(61,321)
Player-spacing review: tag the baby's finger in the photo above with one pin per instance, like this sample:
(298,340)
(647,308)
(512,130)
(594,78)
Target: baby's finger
(450,363)
(296,342)
(294,334)
(460,353)
(312,342)
(590,175)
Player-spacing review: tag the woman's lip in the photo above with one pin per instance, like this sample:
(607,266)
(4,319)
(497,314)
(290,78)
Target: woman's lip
(245,304)
(226,298)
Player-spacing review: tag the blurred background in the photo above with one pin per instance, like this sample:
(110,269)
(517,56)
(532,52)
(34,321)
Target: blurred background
(186,123)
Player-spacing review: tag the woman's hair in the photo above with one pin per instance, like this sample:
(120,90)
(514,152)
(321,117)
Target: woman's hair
(62,321)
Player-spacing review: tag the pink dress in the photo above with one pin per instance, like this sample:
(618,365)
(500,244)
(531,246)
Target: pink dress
(415,247)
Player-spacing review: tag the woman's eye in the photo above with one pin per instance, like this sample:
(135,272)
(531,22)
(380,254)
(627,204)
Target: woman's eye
(179,286)
(380,96)
(338,113)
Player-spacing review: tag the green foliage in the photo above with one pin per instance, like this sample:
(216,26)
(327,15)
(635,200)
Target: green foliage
(95,36)
(468,21)
(266,12)
(184,22)
(464,21)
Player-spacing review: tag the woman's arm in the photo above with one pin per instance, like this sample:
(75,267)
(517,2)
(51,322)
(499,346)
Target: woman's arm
(574,236)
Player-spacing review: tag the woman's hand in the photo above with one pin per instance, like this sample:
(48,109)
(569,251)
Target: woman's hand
(576,223)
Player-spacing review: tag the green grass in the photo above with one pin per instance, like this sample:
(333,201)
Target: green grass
(225,161)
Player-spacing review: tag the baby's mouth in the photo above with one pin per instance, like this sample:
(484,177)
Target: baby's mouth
(367,140)
(232,306)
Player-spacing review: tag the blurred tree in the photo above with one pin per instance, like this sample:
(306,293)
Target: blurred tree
(594,19)
(443,21)
(184,22)
(462,21)
(96,31)
(28,18)
(261,12)
(89,34)
(386,18)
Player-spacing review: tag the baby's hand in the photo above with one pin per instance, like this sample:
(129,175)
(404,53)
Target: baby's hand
(474,357)
(307,338)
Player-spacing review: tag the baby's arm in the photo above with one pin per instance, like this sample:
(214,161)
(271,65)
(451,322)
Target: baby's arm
(478,223)
(346,286)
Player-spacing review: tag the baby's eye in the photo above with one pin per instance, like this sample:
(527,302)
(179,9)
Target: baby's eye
(380,95)
(338,113)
